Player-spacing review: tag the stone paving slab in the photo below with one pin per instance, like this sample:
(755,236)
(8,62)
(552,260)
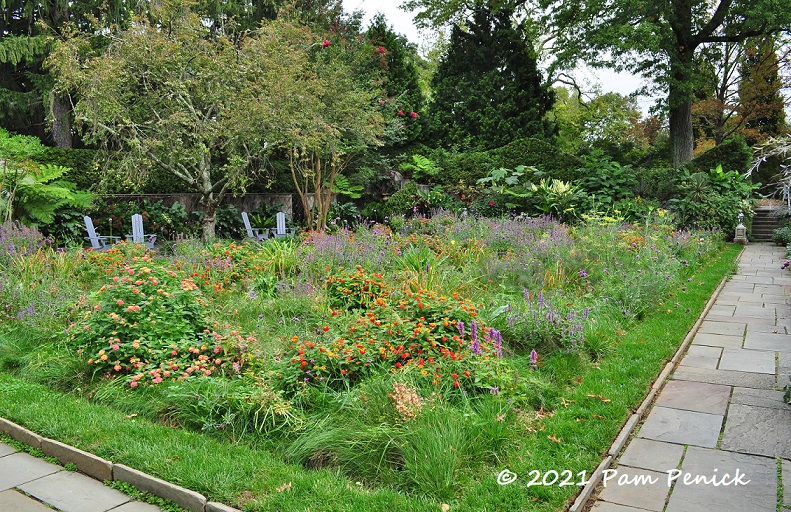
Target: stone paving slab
(73,492)
(759,280)
(638,493)
(756,312)
(603,506)
(695,396)
(732,329)
(19,468)
(764,323)
(13,501)
(6,450)
(682,427)
(702,356)
(649,454)
(759,398)
(720,309)
(768,341)
(718,340)
(758,431)
(751,361)
(760,494)
(726,377)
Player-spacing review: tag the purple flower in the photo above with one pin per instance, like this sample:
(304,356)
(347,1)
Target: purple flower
(476,344)
(533,359)
(582,273)
(460,327)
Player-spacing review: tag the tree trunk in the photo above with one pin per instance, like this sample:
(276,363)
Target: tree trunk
(208,200)
(682,136)
(60,110)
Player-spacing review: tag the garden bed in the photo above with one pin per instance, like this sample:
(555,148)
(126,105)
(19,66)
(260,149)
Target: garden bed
(355,370)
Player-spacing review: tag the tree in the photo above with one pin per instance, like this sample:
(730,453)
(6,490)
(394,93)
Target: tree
(398,61)
(327,111)
(760,91)
(743,97)
(170,96)
(487,89)
(658,40)
(27,28)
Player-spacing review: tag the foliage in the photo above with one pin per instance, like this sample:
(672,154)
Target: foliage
(403,201)
(149,325)
(487,90)
(183,106)
(331,107)
(469,167)
(34,195)
(606,179)
(556,197)
(782,236)
(420,169)
(398,61)
(713,199)
(733,155)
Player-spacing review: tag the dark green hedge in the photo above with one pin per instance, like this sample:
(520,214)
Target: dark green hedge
(468,168)
(733,154)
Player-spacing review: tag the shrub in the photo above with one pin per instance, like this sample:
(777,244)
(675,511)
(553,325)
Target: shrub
(403,201)
(733,155)
(468,168)
(782,236)
(149,325)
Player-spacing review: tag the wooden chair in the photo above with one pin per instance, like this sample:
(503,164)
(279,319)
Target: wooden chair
(138,235)
(98,243)
(257,234)
(281,230)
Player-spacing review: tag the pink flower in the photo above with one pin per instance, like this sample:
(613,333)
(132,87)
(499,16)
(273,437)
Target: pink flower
(325,43)
(381,49)
(491,203)
(133,384)
(413,115)
(401,113)
(120,302)
(381,102)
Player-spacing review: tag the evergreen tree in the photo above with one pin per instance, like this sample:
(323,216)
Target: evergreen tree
(761,100)
(488,90)
(398,62)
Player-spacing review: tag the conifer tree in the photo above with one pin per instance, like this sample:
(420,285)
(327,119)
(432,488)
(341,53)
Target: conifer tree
(488,90)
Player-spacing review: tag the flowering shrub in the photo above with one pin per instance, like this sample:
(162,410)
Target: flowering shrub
(19,240)
(150,324)
(421,330)
(355,289)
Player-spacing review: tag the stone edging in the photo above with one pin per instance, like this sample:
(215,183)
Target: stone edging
(104,470)
(628,428)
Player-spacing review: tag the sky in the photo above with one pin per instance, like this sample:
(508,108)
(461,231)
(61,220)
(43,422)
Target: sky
(610,81)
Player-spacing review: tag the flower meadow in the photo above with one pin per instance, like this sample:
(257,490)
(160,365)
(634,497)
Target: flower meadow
(414,359)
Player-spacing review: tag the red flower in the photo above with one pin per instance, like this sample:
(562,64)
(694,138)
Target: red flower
(454,376)
(455,383)
(413,115)
(325,43)
(381,49)
(491,203)
(326,328)
(401,113)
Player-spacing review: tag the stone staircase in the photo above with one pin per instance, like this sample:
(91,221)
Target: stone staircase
(765,221)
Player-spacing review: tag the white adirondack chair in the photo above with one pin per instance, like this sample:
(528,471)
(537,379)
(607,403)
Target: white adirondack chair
(138,235)
(281,230)
(98,243)
(257,234)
